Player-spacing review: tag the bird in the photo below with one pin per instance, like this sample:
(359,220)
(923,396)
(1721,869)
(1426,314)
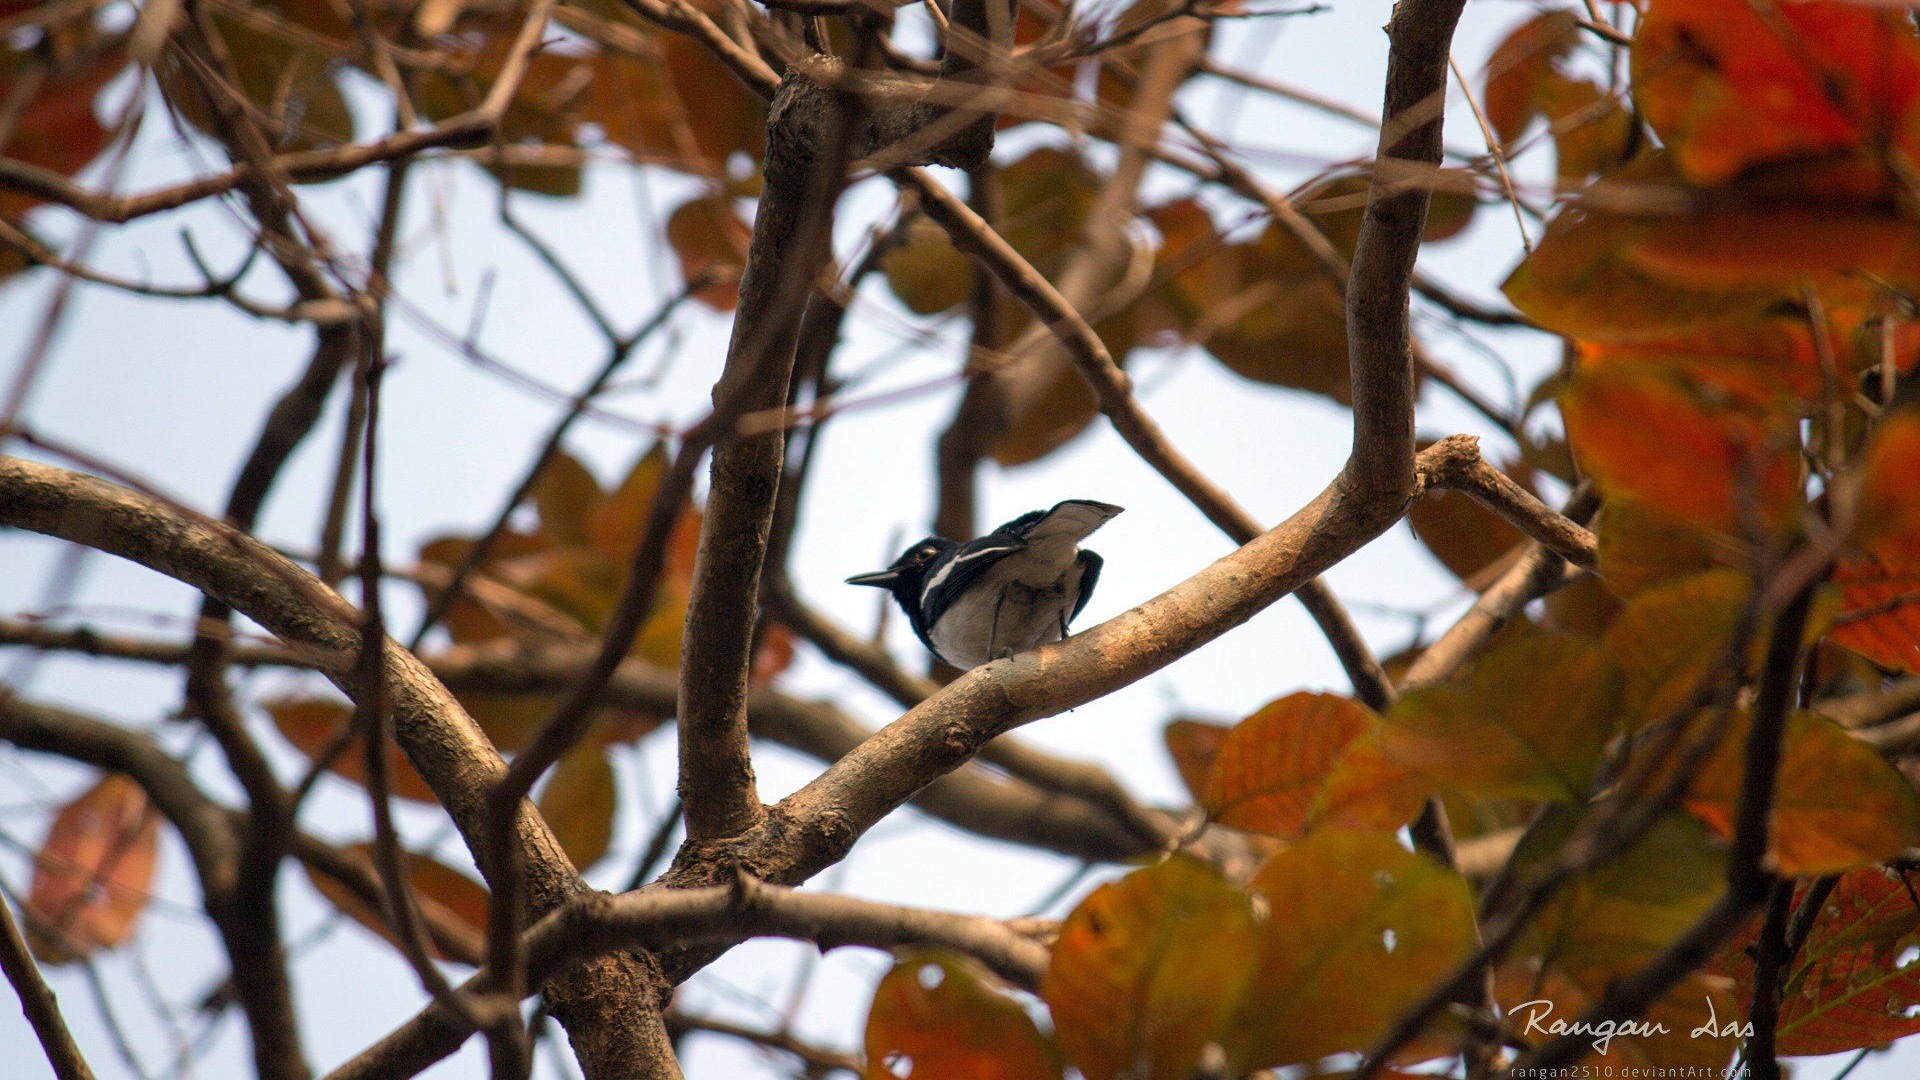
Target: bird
(1016,588)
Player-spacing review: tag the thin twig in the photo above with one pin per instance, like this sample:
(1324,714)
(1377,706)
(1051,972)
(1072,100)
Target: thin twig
(38,1002)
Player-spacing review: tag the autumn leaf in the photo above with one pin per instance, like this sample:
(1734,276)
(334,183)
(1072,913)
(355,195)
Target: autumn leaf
(1612,917)
(443,894)
(1361,929)
(1887,518)
(940,1015)
(1728,84)
(1529,720)
(1879,614)
(1147,969)
(579,801)
(566,495)
(926,271)
(312,725)
(1853,983)
(1271,765)
(1670,639)
(1519,67)
(1583,278)
(710,240)
(1684,451)
(1193,745)
(93,873)
(56,128)
(1640,547)
(1837,804)
(1465,536)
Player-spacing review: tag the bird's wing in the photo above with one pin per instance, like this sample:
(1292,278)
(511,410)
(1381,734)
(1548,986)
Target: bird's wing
(952,580)
(1072,521)
(1090,564)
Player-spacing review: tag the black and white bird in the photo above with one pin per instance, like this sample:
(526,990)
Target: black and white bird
(1013,589)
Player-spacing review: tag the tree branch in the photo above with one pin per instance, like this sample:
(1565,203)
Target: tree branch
(38,1003)
(440,739)
(659,918)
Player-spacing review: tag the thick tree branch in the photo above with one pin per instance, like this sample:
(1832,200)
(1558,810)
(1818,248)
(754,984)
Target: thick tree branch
(441,741)
(655,919)
(1379,335)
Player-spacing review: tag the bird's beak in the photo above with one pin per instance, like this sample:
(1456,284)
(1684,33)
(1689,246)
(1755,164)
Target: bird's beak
(880,578)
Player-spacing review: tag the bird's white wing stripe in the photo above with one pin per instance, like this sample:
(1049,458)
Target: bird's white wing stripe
(934,581)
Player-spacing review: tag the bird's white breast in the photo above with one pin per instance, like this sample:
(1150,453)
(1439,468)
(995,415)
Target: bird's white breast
(1007,611)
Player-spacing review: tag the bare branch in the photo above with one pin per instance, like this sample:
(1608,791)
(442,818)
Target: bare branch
(1466,471)
(440,739)
(718,914)
(37,1001)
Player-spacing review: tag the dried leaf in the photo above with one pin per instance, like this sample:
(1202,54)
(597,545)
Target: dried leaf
(1147,969)
(1193,745)
(940,1015)
(1274,763)
(311,724)
(1854,982)
(710,239)
(1362,928)
(442,893)
(92,874)
(1838,804)
(579,801)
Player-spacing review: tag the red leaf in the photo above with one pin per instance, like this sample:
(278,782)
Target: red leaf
(92,875)
(940,1015)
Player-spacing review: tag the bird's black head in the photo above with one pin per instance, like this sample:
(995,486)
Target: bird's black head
(909,571)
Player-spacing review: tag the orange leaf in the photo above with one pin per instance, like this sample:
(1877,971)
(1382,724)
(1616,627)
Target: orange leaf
(467,620)
(939,1015)
(1669,638)
(926,271)
(1612,917)
(312,724)
(1773,246)
(56,128)
(566,495)
(1640,547)
(1362,928)
(1837,804)
(772,653)
(1650,436)
(1193,745)
(1582,278)
(1880,611)
(1273,764)
(1759,362)
(1147,969)
(1045,421)
(1888,517)
(1518,67)
(1592,130)
(442,893)
(1583,607)
(617,523)
(92,874)
(1847,987)
(1728,84)
(579,801)
(709,238)
(1527,721)
(1465,536)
